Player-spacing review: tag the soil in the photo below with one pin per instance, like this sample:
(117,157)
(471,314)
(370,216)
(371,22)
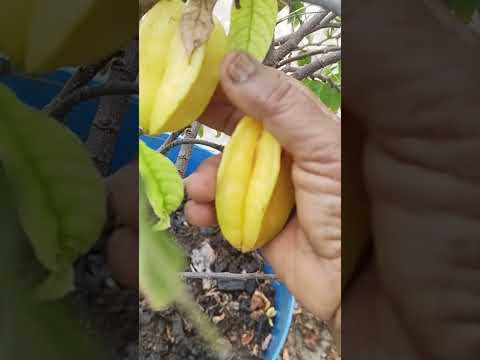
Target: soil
(309,339)
(108,312)
(129,330)
(168,335)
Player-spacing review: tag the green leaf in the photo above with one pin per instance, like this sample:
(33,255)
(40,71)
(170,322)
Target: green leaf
(59,195)
(52,330)
(329,95)
(56,285)
(297,9)
(201,131)
(305,61)
(464,8)
(252,27)
(160,259)
(163,184)
(39,36)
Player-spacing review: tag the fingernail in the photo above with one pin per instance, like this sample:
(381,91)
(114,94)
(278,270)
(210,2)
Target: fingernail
(242,68)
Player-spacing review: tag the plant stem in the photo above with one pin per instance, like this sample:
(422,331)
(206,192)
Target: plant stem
(192,141)
(186,149)
(111,111)
(227,276)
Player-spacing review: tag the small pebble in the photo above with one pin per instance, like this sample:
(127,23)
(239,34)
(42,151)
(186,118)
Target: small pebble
(145,318)
(161,327)
(177,328)
(266,342)
(234,306)
(110,283)
(225,349)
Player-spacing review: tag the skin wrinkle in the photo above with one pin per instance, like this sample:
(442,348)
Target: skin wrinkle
(395,167)
(308,180)
(426,261)
(317,266)
(315,150)
(389,177)
(436,121)
(326,226)
(436,154)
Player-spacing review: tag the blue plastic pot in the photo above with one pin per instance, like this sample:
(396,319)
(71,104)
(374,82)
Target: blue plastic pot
(37,92)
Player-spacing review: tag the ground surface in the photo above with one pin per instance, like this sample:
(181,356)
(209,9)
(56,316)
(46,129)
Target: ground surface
(309,339)
(238,308)
(108,312)
(130,330)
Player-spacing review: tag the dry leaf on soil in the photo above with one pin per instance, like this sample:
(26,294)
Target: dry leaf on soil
(197,24)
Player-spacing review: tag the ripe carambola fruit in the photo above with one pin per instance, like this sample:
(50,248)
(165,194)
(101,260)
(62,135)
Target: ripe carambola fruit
(254,195)
(175,89)
(41,35)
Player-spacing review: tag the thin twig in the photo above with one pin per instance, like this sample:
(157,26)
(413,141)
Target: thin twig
(321,42)
(111,111)
(316,65)
(171,138)
(327,80)
(310,26)
(296,12)
(186,149)
(333,5)
(292,43)
(309,53)
(80,78)
(192,141)
(227,276)
(92,92)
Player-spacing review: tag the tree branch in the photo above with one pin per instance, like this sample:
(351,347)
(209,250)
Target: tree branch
(334,6)
(327,80)
(92,92)
(292,43)
(192,141)
(186,149)
(171,138)
(321,42)
(316,65)
(80,78)
(111,111)
(227,276)
(310,53)
(324,23)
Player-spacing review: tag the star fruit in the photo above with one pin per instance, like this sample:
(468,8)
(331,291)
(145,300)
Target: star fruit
(175,88)
(254,194)
(42,35)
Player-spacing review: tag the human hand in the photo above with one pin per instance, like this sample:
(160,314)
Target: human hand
(419,296)
(306,255)
(122,245)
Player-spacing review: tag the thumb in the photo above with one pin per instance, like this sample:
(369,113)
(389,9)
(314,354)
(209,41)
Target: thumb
(290,111)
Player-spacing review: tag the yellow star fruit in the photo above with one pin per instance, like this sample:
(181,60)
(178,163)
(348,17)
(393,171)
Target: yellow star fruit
(41,35)
(254,195)
(174,88)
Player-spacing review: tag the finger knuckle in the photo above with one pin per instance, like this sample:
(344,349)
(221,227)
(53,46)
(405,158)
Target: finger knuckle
(279,99)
